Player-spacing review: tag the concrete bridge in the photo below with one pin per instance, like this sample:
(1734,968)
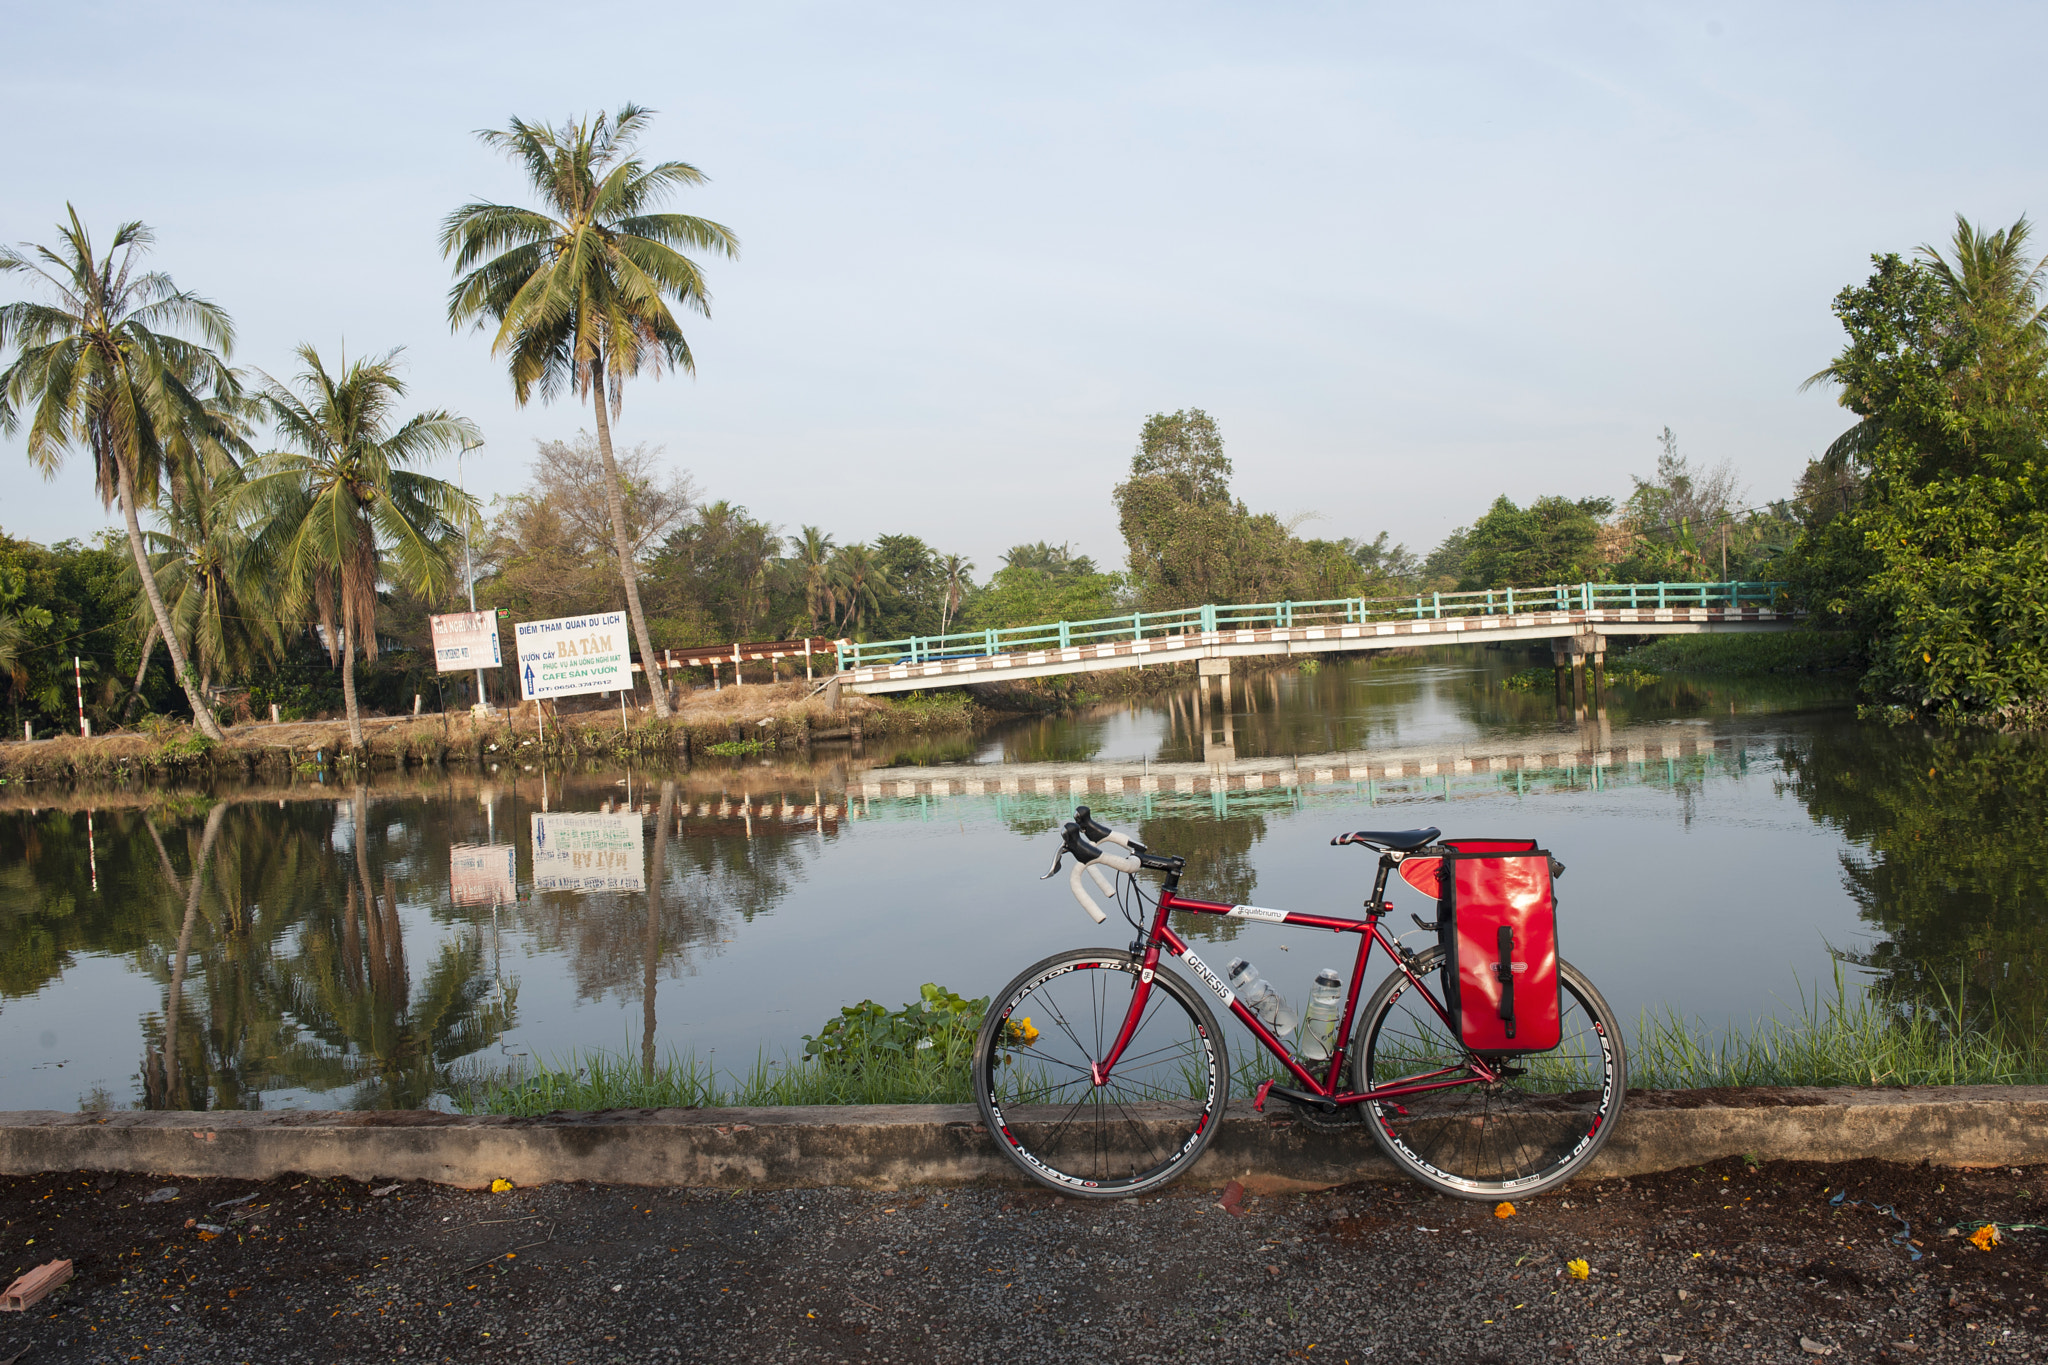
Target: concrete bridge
(1577,617)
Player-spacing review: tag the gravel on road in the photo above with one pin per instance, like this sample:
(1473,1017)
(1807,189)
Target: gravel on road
(1729,1262)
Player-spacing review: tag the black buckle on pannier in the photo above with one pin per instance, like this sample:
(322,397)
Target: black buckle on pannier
(1505,970)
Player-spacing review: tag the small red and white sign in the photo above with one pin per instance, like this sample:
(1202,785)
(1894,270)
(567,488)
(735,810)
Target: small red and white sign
(464,640)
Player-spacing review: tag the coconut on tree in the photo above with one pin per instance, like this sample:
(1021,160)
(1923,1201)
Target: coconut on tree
(580,288)
(339,511)
(101,367)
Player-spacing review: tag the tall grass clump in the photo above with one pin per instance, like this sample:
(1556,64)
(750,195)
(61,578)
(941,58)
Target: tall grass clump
(868,1054)
(1851,1038)
(1747,655)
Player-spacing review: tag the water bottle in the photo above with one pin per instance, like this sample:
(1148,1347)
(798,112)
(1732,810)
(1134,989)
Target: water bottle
(1319,1021)
(1260,998)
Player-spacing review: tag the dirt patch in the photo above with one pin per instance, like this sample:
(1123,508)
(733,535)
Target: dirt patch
(1726,1262)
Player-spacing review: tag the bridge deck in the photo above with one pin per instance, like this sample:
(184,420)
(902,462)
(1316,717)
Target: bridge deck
(1308,639)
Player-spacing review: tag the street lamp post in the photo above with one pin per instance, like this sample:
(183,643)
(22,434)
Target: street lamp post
(468,570)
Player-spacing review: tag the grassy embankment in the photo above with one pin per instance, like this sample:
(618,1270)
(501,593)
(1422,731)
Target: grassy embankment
(732,722)
(1751,655)
(1846,1039)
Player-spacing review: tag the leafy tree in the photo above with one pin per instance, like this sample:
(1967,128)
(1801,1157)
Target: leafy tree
(339,510)
(1942,562)
(95,371)
(1186,450)
(1552,540)
(580,289)
(1186,541)
(1042,556)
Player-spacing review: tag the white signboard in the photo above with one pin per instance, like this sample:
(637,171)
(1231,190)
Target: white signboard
(572,655)
(464,640)
(588,851)
(482,874)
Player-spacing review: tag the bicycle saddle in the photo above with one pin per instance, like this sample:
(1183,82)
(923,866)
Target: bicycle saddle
(1400,839)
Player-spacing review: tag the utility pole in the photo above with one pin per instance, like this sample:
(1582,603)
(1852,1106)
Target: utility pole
(468,571)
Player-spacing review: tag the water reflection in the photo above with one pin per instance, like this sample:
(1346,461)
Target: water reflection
(369,946)
(1946,858)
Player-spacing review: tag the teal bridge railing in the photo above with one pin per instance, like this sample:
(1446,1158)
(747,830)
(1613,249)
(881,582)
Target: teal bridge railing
(1143,625)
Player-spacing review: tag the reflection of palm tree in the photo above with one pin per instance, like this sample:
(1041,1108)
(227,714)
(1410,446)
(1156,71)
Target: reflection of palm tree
(650,950)
(160,1073)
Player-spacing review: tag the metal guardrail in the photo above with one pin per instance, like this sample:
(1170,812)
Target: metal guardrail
(1142,625)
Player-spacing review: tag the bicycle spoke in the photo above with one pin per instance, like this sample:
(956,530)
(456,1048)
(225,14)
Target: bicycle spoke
(1146,1121)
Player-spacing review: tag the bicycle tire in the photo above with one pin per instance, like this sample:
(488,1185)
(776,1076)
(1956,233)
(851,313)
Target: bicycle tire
(1515,1137)
(1142,1128)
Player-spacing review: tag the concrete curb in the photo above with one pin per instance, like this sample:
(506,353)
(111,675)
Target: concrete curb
(889,1146)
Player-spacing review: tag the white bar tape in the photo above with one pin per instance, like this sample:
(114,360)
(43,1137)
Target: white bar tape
(1081,895)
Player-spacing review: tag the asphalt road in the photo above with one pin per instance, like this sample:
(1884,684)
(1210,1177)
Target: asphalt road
(1726,1263)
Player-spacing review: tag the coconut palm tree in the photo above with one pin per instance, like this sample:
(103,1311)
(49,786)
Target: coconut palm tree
(1998,299)
(338,510)
(857,587)
(814,571)
(219,599)
(956,578)
(94,370)
(580,288)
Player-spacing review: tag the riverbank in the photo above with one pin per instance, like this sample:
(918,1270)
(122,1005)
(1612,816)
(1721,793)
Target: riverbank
(735,721)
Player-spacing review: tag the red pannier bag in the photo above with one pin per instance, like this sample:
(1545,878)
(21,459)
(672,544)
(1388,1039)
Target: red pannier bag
(1497,925)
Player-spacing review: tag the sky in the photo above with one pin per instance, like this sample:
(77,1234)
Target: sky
(1409,258)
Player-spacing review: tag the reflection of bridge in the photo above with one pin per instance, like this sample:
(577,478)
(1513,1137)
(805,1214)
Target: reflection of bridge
(1595,757)
(1577,616)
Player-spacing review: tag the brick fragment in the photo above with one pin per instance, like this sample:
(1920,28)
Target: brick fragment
(28,1290)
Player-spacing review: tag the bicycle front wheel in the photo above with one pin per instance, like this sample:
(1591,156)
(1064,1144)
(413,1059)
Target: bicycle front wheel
(1034,1075)
(1539,1124)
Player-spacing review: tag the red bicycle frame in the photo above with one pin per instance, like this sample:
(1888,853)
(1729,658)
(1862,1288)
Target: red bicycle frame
(1473,1070)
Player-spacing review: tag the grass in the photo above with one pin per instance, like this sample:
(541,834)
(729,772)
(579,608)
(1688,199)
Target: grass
(1747,655)
(602,1080)
(1848,1038)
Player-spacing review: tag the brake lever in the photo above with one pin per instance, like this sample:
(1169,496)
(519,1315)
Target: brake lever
(1066,847)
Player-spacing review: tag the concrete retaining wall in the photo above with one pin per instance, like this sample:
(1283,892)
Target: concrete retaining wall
(886,1146)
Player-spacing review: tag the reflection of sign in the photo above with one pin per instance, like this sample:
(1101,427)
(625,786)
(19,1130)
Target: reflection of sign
(586,851)
(572,655)
(465,640)
(481,874)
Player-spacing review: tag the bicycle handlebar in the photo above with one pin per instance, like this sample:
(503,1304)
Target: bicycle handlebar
(1084,837)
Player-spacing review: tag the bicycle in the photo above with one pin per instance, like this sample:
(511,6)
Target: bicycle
(1104,1074)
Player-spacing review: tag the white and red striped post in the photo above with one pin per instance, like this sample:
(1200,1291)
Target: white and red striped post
(78,681)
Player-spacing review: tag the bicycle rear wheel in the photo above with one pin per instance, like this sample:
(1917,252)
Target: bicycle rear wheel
(1033,1080)
(1535,1127)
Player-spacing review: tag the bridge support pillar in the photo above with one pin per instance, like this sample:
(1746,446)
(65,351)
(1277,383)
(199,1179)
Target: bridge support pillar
(1206,669)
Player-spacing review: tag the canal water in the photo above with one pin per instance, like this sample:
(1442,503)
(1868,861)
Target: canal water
(1729,845)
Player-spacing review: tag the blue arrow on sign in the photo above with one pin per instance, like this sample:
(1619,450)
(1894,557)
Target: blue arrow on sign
(529,680)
